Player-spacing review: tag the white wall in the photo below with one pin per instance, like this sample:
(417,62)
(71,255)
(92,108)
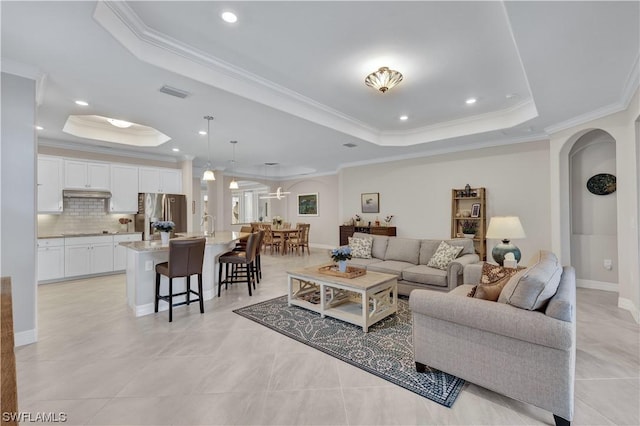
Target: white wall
(593,217)
(622,127)
(18,227)
(324,231)
(418,191)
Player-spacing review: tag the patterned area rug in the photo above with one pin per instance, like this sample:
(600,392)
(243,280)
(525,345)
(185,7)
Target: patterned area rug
(386,350)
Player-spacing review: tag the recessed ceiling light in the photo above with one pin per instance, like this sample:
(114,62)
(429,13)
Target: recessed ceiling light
(202,132)
(404,117)
(229,17)
(82,103)
(39,128)
(119,123)
(470,101)
(175,149)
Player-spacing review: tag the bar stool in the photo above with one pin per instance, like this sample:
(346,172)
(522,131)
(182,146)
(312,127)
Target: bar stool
(185,259)
(242,263)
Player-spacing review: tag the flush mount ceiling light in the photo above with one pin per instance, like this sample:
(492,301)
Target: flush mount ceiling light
(229,17)
(234,182)
(383,79)
(208,174)
(119,123)
(82,103)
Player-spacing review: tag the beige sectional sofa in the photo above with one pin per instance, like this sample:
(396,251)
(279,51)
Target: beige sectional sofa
(408,258)
(522,346)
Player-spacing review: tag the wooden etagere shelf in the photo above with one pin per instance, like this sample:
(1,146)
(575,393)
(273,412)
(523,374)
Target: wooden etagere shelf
(470,205)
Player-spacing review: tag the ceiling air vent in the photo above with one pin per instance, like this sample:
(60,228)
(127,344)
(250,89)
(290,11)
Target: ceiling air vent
(349,145)
(174,92)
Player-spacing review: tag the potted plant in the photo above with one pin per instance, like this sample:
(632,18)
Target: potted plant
(341,255)
(387,220)
(164,227)
(469,228)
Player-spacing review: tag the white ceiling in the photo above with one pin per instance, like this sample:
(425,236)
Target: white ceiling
(287,80)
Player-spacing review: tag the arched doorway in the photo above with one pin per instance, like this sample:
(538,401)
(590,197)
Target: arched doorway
(593,210)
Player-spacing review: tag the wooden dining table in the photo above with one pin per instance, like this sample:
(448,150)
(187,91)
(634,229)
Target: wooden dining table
(284,234)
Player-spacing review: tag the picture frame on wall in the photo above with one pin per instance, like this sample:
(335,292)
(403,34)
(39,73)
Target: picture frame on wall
(308,204)
(370,202)
(475,210)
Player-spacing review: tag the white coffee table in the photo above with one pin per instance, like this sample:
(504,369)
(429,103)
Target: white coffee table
(362,301)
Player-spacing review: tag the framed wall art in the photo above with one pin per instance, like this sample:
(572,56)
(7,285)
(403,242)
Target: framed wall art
(475,210)
(370,202)
(308,204)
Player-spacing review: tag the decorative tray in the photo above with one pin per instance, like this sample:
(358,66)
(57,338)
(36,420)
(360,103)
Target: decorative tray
(351,272)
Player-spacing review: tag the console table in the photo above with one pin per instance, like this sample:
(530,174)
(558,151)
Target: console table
(347,231)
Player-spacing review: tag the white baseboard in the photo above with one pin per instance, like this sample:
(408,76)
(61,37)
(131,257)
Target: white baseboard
(25,337)
(628,305)
(322,246)
(597,285)
(149,308)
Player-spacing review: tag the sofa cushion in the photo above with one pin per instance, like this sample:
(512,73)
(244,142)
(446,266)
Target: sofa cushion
(360,247)
(362,263)
(425,275)
(427,250)
(403,250)
(444,255)
(531,288)
(389,267)
(379,246)
(465,243)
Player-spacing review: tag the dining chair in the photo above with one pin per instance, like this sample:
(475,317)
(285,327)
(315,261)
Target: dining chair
(271,241)
(301,239)
(186,257)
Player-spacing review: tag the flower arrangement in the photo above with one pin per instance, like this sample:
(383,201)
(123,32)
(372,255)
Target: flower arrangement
(469,226)
(163,225)
(388,218)
(357,218)
(341,253)
(277,220)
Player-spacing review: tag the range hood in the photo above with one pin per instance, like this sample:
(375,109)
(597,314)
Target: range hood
(85,193)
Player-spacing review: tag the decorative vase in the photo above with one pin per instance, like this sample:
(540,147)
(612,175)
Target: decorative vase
(342,265)
(469,235)
(164,236)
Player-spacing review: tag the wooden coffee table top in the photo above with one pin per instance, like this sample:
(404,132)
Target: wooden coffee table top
(368,280)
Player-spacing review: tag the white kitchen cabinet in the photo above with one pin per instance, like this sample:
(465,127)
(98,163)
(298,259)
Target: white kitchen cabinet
(50,259)
(157,180)
(88,255)
(120,252)
(124,189)
(49,184)
(86,175)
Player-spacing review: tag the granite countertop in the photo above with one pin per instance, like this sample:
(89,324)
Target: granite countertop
(223,238)
(86,234)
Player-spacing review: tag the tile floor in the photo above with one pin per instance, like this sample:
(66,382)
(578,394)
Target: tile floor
(102,366)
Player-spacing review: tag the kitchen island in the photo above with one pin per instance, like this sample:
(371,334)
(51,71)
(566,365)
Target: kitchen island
(143,256)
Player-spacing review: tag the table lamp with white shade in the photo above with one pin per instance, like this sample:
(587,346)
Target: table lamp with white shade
(505,228)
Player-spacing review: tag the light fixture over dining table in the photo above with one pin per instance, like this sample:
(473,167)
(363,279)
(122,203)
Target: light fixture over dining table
(208,173)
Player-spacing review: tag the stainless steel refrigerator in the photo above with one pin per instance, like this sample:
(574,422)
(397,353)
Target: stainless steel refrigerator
(154,207)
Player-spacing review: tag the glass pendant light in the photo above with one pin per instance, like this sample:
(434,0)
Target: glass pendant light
(208,173)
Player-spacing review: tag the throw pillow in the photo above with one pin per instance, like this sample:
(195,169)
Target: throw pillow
(360,247)
(533,287)
(494,278)
(444,255)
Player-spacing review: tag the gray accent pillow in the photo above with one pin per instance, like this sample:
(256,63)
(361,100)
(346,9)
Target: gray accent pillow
(532,288)
(403,249)
(465,243)
(444,256)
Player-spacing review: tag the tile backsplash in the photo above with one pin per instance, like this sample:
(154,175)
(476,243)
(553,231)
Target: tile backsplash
(82,215)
